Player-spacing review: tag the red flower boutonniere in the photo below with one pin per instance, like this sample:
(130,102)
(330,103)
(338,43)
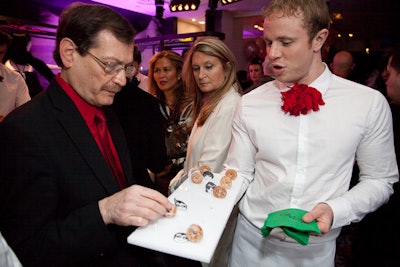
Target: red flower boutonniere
(300,99)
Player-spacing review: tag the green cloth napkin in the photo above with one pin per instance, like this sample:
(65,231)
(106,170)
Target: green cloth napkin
(289,220)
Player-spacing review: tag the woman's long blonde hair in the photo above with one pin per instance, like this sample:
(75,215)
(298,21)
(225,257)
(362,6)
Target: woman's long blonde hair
(214,47)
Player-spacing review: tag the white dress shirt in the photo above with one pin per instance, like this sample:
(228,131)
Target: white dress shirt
(298,162)
(13,90)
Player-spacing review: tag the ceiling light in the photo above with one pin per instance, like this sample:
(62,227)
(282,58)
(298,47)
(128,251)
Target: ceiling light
(184,5)
(337,16)
(227,2)
(258,27)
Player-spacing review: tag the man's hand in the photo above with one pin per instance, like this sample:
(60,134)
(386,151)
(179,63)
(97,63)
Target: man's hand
(134,206)
(323,214)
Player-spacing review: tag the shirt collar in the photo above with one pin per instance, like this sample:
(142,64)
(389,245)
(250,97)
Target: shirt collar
(87,111)
(323,81)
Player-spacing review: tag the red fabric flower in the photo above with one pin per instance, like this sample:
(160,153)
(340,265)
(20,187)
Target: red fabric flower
(300,99)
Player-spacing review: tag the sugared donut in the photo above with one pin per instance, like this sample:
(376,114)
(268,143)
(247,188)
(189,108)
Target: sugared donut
(219,191)
(197,177)
(171,212)
(204,168)
(194,233)
(226,182)
(231,174)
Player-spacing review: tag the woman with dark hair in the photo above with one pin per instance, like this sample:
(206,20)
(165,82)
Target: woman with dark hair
(165,76)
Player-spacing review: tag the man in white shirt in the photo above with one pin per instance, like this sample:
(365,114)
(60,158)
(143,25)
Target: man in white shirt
(296,148)
(13,89)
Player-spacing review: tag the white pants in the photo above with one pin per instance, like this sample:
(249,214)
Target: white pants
(250,249)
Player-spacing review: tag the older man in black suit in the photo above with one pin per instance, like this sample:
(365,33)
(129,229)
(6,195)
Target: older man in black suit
(61,203)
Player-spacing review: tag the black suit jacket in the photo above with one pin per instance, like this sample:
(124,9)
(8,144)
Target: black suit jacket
(52,175)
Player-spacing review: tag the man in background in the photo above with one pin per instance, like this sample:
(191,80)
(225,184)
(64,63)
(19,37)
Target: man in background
(139,78)
(343,64)
(13,89)
(372,242)
(267,76)
(143,124)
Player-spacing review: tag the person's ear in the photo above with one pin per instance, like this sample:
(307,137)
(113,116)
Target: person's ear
(228,69)
(67,52)
(320,39)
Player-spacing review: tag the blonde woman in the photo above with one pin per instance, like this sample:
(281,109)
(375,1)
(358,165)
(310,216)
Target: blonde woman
(210,76)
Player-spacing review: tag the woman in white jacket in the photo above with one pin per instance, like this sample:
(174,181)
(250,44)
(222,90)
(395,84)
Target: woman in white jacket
(209,73)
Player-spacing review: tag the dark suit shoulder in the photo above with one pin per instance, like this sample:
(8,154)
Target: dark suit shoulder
(144,95)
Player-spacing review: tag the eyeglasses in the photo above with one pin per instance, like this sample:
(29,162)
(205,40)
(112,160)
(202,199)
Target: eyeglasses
(112,68)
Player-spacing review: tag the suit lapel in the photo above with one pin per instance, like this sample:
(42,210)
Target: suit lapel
(120,143)
(81,137)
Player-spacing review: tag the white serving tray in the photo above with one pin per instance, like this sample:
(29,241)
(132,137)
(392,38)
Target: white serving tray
(203,208)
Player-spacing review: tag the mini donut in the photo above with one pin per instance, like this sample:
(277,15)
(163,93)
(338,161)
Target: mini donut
(231,174)
(197,177)
(226,182)
(171,213)
(194,169)
(219,192)
(204,168)
(194,233)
